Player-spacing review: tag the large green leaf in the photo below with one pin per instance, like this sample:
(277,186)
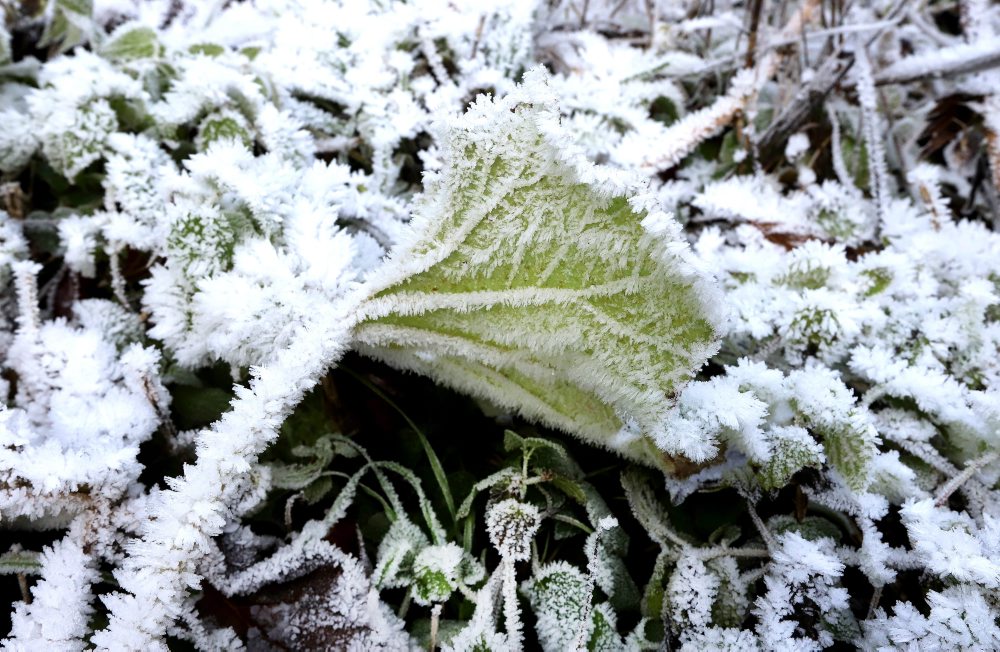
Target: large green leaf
(541,282)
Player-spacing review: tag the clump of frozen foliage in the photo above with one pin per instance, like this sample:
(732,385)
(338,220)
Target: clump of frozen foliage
(752,253)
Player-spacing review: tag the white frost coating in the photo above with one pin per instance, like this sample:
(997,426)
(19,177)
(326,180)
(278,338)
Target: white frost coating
(85,412)
(860,359)
(952,545)
(961,617)
(511,525)
(800,570)
(163,565)
(59,613)
(963,57)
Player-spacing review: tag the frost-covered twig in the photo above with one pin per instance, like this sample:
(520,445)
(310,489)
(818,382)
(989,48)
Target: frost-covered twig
(874,132)
(961,59)
(971,468)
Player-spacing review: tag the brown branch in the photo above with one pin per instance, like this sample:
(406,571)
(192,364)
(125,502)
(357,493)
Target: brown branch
(682,137)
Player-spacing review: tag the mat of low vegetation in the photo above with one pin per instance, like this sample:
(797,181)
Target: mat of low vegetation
(500,325)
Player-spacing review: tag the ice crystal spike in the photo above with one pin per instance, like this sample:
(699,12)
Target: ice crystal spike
(541,282)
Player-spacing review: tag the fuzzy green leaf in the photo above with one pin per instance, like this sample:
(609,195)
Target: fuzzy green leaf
(542,283)
(132,42)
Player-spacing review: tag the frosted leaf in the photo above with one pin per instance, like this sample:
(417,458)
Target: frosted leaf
(560,595)
(58,616)
(135,178)
(690,594)
(792,449)
(803,580)
(541,283)
(73,110)
(333,607)
(604,636)
(69,25)
(396,553)
(131,41)
(511,525)
(78,144)
(951,545)
(850,441)
(18,140)
(221,125)
(731,601)
(436,573)
(960,618)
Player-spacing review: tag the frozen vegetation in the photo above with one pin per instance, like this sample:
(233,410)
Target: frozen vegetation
(500,325)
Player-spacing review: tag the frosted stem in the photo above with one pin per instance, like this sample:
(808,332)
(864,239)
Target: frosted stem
(970,470)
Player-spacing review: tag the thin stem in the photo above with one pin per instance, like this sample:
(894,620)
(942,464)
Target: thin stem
(970,470)
(435,623)
(22,581)
(759,524)
(740,553)
(117,280)
(873,605)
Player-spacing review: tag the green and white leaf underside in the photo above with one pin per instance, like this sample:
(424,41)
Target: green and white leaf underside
(537,282)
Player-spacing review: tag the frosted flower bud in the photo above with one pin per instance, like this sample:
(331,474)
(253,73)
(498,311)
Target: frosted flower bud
(511,525)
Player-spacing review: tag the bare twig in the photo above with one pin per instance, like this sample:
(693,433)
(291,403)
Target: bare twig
(755,10)
(22,582)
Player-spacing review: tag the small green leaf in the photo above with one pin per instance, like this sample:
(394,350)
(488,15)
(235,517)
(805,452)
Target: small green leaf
(132,42)
(71,25)
(506,475)
(571,488)
(224,124)
(317,490)
(793,450)
(512,441)
(300,476)
(560,596)
(207,49)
